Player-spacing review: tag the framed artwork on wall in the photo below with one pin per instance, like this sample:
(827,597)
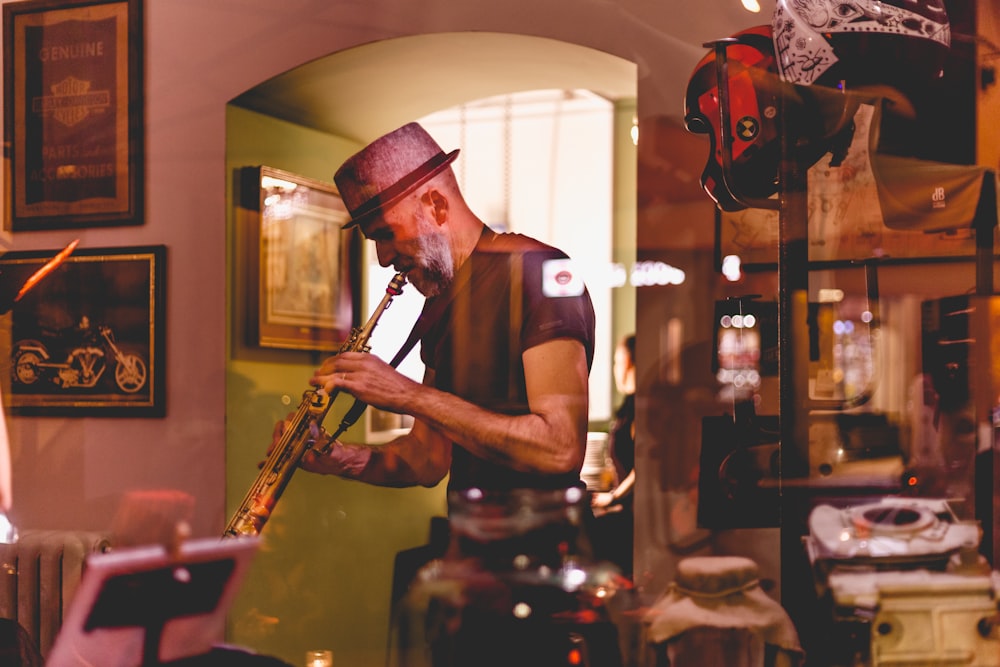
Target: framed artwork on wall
(88,340)
(74,113)
(382,426)
(301,268)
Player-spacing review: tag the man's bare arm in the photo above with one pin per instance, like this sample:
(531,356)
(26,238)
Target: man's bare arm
(420,457)
(551,439)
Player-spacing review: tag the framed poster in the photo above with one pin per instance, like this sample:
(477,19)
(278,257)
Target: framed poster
(74,112)
(301,278)
(88,339)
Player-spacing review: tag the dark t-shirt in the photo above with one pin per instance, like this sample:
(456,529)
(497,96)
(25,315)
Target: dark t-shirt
(622,442)
(496,309)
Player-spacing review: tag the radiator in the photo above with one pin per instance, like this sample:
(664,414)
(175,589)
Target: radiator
(38,576)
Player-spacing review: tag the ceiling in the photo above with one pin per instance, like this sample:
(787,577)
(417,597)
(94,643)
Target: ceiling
(456,68)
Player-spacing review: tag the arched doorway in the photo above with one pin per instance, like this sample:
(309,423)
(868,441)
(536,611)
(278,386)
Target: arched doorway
(323,578)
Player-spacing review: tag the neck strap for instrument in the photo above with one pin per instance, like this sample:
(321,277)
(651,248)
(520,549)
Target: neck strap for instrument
(432,314)
(429,316)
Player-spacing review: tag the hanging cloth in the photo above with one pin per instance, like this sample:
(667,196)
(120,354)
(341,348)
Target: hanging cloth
(927,196)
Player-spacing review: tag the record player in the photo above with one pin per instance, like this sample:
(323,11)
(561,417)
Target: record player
(891,533)
(904,583)
(921,616)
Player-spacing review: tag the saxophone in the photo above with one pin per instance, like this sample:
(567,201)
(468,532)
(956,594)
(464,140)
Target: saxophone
(300,433)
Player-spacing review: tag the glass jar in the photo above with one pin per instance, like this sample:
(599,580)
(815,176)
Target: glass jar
(516,587)
(716,613)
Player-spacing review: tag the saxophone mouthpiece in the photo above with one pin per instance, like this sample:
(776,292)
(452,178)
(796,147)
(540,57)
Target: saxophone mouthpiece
(395,286)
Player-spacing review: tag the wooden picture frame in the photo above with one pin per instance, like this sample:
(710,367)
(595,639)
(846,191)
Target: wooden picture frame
(74,116)
(302,273)
(88,339)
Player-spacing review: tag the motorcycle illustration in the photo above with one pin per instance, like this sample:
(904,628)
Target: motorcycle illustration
(86,362)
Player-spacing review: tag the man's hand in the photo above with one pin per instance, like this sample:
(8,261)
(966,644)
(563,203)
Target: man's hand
(602,499)
(339,459)
(367,378)
(276,433)
(318,436)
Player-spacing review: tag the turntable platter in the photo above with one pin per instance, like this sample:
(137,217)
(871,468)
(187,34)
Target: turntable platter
(891,532)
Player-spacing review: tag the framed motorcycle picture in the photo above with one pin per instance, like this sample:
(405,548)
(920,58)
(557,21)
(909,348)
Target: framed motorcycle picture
(87,332)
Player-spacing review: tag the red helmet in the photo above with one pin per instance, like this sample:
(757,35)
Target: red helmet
(859,43)
(757,97)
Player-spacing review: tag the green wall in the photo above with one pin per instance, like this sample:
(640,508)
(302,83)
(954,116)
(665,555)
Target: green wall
(623,239)
(323,576)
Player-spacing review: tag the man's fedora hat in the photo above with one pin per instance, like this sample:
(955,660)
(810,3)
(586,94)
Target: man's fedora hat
(388,169)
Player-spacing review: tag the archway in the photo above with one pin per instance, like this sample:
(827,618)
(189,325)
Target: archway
(307,121)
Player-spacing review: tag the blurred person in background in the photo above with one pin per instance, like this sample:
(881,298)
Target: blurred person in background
(613,525)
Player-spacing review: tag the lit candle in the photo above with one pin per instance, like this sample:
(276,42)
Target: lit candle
(319,658)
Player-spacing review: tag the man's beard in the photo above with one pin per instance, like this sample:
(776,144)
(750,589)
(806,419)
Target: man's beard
(435,268)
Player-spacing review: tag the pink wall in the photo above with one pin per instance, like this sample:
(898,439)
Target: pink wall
(70,473)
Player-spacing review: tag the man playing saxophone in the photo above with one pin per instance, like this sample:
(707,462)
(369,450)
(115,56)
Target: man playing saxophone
(507,337)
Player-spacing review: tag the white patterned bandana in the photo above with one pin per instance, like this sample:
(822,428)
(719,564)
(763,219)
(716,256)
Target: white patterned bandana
(804,54)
